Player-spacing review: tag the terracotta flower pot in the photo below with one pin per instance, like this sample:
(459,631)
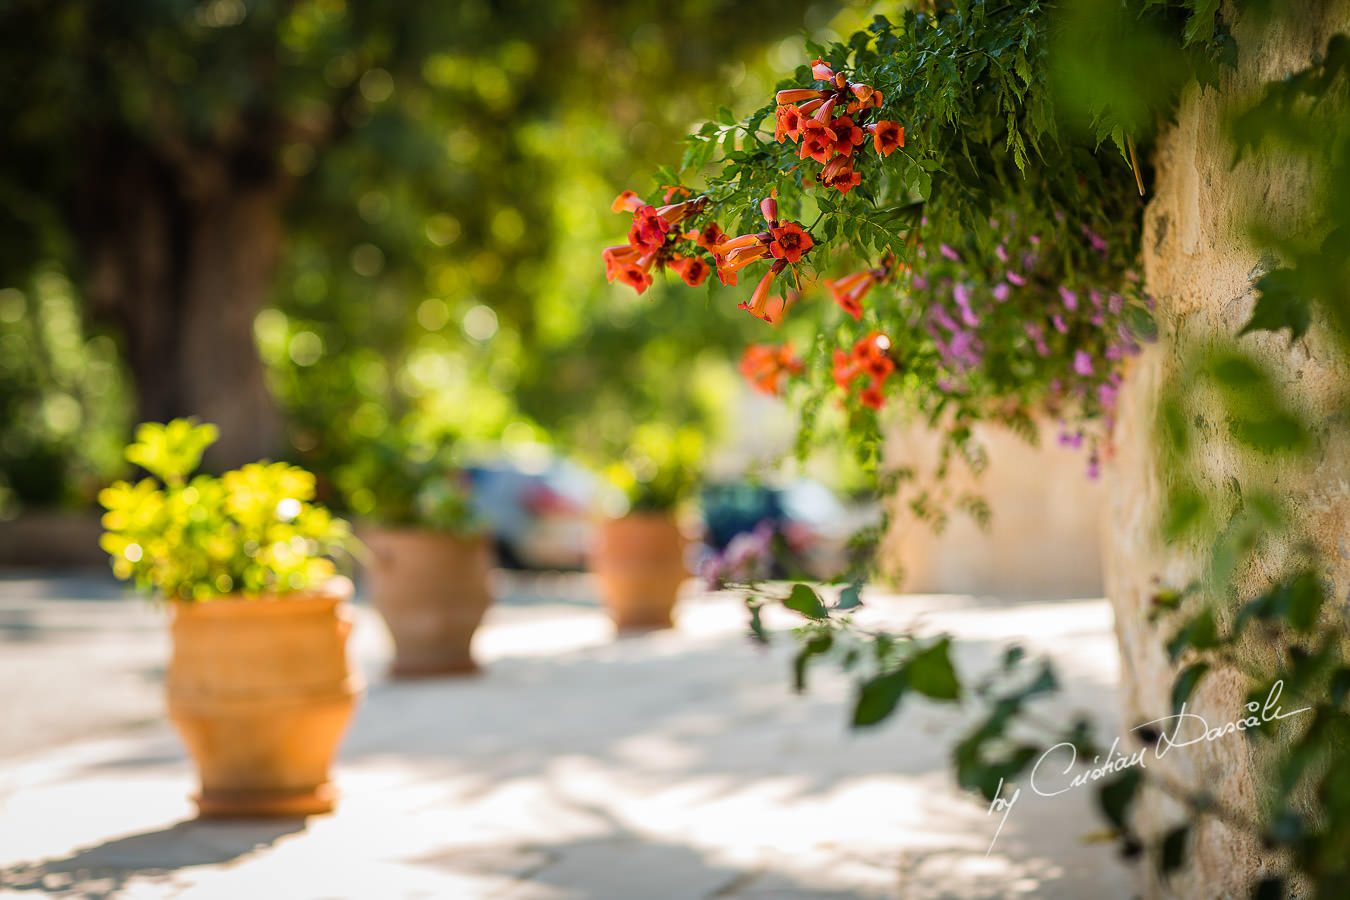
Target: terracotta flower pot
(432,590)
(261,692)
(638,562)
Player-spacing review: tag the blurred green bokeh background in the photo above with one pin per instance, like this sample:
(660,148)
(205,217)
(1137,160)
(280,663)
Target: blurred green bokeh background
(317,221)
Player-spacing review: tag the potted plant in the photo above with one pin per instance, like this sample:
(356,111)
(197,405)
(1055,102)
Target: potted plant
(258,682)
(429,556)
(638,558)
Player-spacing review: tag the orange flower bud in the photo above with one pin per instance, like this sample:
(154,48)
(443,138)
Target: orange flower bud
(628,200)
(798,95)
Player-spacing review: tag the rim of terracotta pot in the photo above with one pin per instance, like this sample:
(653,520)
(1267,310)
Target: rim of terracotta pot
(333,591)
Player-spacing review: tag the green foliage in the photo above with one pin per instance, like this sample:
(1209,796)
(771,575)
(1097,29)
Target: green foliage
(62,403)
(445,166)
(250,531)
(398,481)
(1014,297)
(660,467)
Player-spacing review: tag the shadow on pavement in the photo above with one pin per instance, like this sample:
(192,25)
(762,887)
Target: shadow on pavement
(105,869)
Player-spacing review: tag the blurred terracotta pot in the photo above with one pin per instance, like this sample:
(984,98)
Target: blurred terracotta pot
(432,590)
(638,562)
(261,691)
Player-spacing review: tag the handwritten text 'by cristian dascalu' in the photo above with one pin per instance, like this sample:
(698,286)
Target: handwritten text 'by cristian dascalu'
(1049,779)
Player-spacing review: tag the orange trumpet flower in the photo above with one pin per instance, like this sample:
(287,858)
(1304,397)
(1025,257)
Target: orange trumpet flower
(886,136)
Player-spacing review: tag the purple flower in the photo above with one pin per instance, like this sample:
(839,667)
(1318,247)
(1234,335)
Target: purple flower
(1082,362)
(1094,469)
(1096,298)
(1016,279)
(966,350)
(1060,325)
(1002,253)
(1001,291)
(1115,304)
(961,294)
(746,558)
(1069,297)
(1074,439)
(948,252)
(940,316)
(919,283)
(1115,351)
(1096,240)
(1096,319)
(1106,393)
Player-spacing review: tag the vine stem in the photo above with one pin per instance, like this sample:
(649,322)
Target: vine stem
(1134,165)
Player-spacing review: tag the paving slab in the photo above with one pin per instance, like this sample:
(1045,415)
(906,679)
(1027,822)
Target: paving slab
(675,764)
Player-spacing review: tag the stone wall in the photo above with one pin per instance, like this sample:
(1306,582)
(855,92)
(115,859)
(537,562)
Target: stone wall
(1043,542)
(1200,270)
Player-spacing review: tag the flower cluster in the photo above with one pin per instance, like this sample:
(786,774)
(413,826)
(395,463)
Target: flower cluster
(784,242)
(808,116)
(1015,312)
(748,558)
(869,357)
(655,241)
(766,367)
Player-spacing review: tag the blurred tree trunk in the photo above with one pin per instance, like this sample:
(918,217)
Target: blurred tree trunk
(181,250)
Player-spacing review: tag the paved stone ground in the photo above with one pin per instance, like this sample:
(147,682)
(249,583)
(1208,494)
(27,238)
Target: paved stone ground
(676,764)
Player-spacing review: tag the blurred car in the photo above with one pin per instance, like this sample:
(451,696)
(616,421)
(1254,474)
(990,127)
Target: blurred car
(540,511)
(813,524)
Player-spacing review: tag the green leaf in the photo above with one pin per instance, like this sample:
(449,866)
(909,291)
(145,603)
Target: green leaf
(878,698)
(1200,633)
(848,597)
(1174,849)
(1281,303)
(1302,601)
(1340,686)
(1186,683)
(930,672)
(1185,507)
(1117,796)
(1238,372)
(817,646)
(1273,434)
(1045,682)
(807,602)
(1200,25)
